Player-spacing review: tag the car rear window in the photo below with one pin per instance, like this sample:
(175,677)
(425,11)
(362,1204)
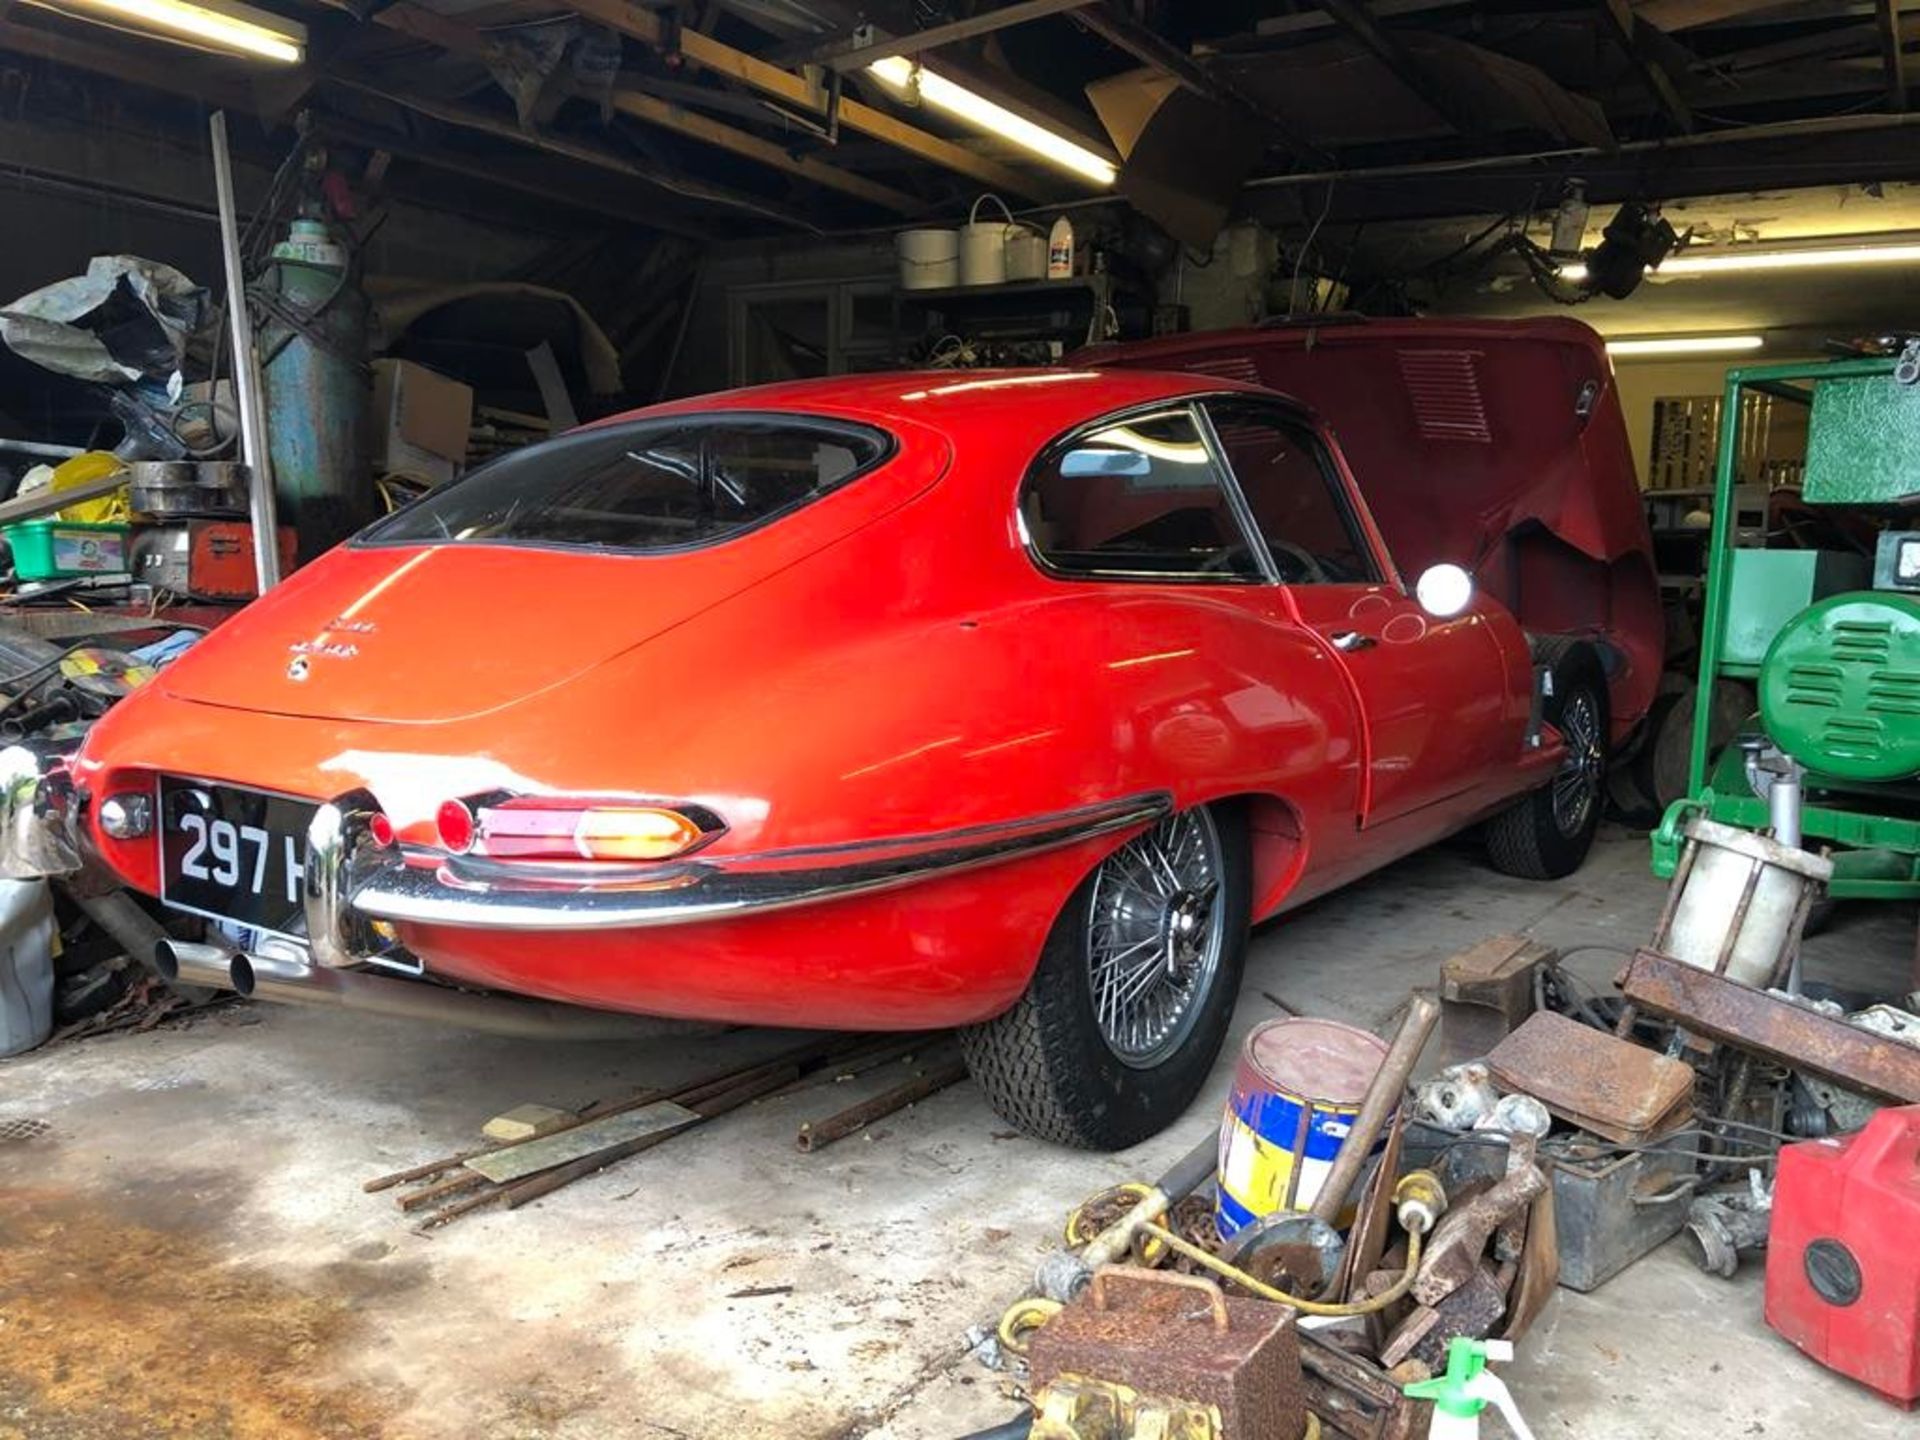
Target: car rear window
(649,485)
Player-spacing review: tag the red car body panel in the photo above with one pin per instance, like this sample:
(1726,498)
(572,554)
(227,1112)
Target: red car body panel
(886,662)
(1473,444)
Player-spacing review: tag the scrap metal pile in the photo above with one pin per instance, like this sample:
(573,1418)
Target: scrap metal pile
(1271,1287)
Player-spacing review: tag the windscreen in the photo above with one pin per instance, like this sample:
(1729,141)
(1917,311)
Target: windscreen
(649,485)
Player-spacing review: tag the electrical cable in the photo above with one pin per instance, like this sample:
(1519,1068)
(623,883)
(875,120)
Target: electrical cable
(1210,1261)
(1300,260)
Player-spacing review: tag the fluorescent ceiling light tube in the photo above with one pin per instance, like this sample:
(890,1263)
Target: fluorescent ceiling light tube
(1727,262)
(940,93)
(239,28)
(1686,345)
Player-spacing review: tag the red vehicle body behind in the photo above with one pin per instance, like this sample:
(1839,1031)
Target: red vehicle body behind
(1467,444)
(909,741)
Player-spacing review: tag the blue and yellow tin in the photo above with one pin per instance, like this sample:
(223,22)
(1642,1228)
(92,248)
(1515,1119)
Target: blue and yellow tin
(1298,1087)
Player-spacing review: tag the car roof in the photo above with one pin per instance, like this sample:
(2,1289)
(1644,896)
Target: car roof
(1356,330)
(1044,401)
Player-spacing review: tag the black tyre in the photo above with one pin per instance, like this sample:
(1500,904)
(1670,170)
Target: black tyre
(1135,986)
(1547,834)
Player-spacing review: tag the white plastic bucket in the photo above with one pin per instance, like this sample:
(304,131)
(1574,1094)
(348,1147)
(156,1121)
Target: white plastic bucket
(983,245)
(1026,253)
(929,259)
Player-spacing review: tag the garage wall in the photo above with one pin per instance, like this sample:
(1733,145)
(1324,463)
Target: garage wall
(1642,382)
(702,364)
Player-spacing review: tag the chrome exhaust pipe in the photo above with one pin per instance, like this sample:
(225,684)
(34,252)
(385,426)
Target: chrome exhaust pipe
(288,980)
(208,966)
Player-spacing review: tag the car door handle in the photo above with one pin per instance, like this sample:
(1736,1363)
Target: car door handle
(1351,640)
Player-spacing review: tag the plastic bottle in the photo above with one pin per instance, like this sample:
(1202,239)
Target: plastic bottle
(1060,250)
(26,964)
(1466,1389)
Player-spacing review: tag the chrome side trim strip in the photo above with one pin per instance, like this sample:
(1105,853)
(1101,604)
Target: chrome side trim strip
(722,887)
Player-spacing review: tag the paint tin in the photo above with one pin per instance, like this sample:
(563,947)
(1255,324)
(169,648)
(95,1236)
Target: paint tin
(1296,1091)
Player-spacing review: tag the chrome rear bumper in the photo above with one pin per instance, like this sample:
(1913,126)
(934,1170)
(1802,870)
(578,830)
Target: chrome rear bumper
(354,892)
(457,892)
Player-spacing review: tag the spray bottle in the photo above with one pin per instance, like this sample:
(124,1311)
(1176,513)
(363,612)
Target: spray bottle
(1468,1388)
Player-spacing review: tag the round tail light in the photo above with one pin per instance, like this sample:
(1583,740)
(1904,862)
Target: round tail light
(455,824)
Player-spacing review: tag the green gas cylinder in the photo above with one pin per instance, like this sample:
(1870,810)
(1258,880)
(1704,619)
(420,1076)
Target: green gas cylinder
(318,388)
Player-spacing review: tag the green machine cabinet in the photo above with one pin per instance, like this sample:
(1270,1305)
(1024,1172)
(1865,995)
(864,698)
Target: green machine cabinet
(1769,587)
(1834,650)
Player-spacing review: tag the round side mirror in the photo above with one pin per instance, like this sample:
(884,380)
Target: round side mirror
(1444,591)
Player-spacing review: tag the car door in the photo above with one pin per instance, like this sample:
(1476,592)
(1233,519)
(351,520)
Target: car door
(1438,696)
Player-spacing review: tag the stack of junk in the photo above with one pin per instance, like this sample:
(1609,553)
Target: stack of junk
(1350,1250)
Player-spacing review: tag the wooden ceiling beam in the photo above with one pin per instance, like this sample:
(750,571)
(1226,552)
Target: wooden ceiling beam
(1892,47)
(196,83)
(526,174)
(461,39)
(847,53)
(153,69)
(1123,32)
(467,117)
(1632,35)
(653,110)
(804,94)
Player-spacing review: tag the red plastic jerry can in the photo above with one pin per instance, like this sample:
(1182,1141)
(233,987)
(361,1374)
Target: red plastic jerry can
(1843,1255)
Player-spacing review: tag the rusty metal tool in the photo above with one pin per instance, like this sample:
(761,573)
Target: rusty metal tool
(1772,1028)
(1302,1253)
(1461,1237)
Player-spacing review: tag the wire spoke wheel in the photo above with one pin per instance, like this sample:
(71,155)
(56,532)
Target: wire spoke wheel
(1155,934)
(1576,785)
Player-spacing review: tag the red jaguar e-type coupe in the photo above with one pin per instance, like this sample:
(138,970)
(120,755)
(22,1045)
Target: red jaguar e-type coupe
(999,700)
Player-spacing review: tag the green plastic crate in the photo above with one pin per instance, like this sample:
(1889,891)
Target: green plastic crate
(62,549)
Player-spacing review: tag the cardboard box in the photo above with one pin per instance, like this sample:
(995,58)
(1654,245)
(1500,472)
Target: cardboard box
(421,420)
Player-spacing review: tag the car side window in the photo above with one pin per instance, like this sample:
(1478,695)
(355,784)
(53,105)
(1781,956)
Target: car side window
(1137,497)
(1294,492)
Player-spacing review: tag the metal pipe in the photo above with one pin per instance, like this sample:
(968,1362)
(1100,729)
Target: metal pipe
(1783,807)
(208,966)
(41,448)
(1383,1097)
(815,1134)
(1783,814)
(246,371)
(291,981)
(139,934)
(1745,134)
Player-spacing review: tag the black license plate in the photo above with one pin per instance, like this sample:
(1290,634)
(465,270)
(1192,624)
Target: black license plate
(233,854)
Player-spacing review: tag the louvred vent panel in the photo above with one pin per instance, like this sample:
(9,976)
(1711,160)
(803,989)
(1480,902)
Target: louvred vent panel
(1227,367)
(1444,386)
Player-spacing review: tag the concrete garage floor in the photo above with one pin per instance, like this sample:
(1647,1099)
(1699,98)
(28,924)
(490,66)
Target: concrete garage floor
(188,1252)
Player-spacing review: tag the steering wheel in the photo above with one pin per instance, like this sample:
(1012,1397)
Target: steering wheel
(1221,562)
(1312,572)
